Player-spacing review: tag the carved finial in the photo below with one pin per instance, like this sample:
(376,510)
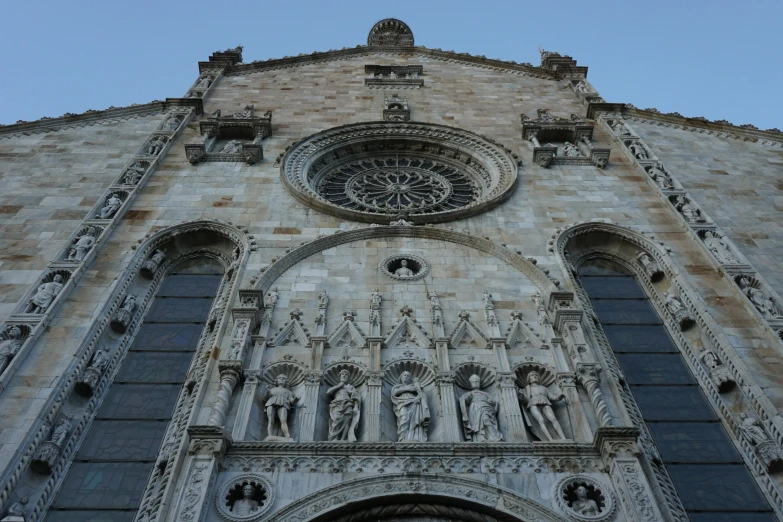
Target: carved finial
(516,314)
(295,314)
(464,315)
(406,310)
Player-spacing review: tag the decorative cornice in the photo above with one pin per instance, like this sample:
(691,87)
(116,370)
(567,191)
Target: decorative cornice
(363,50)
(720,128)
(91,117)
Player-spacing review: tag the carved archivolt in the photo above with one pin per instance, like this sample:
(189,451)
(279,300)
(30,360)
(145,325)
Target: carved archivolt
(471,495)
(375,172)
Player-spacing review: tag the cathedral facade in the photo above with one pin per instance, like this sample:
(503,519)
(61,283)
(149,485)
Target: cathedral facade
(390,283)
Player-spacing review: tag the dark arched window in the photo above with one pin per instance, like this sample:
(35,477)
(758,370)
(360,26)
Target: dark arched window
(708,473)
(111,467)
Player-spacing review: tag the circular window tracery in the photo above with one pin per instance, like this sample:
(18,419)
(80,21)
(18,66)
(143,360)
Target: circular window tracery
(380,171)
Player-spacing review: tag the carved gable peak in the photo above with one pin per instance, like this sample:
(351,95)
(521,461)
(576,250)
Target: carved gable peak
(347,335)
(293,332)
(520,335)
(407,333)
(467,334)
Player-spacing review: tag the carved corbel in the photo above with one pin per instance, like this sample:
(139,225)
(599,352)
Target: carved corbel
(588,375)
(651,267)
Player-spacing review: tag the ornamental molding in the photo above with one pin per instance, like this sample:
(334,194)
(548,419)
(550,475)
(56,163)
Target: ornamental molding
(496,499)
(477,173)
(85,119)
(720,128)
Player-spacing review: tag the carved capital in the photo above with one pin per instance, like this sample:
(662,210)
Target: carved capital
(588,372)
(313,378)
(230,369)
(507,379)
(375,378)
(566,380)
(208,441)
(251,298)
(445,379)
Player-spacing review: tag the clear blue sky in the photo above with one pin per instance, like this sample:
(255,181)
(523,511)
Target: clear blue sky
(717,59)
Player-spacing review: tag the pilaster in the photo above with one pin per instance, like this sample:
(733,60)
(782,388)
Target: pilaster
(448,401)
(374,397)
(308,414)
(510,402)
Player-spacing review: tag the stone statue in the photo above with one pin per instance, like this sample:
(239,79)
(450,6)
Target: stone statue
(571,151)
(344,410)
(134,173)
(718,373)
(766,449)
(100,359)
(583,505)
(61,430)
(10,347)
(155,146)
(323,299)
(375,299)
(204,83)
(245,505)
(619,128)
(151,265)
(393,75)
(16,511)
(660,177)
(404,271)
(675,307)
(638,151)
(113,204)
(537,399)
(92,374)
(583,88)
(44,296)
(232,147)
(410,407)
(271,298)
(278,399)
(688,211)
(82,245)
(760,300)
(719,248)
(479,414)
(122,319)
(173,122)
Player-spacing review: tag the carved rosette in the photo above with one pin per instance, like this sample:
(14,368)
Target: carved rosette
(232,507)
(585,499)
(46,457)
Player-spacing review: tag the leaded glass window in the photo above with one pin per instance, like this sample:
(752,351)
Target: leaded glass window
(708,473)
(112,466)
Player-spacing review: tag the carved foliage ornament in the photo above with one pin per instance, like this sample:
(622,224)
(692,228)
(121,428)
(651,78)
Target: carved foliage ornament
(373,172)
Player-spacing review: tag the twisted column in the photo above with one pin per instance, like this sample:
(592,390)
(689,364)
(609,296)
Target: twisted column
(229,377)
(588,376)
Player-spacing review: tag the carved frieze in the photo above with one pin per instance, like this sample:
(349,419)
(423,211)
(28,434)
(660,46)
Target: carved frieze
(233,137)
(400,76)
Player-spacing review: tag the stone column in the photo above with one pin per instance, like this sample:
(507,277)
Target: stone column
(508,397)
(308,414)
(207,449)
(229,377)
(579,424)
(451,414)
(587,375)
(372,427)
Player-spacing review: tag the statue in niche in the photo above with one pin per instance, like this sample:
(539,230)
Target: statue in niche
(718,372)
(537,399)
(719,248)
(479,414)
(583,505)
(760,300)
(232,147)
(173,122)
(638,151)
(410,407)
(660,177)
(82,245)
(675,307)
(767,450)
(204,83)
(619,128)
(124,315)
(404,271)
(134,173)
(688,211)
(245,505)
(61,430)
(151,265)
(344,410)
(278,400)
(16,511)
(10,347)
(113,204)
(44,296)
(155,146)
(92,375)
(570,150)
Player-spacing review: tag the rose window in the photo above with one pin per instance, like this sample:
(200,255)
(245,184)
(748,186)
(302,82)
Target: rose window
(398,185)
(379,172)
